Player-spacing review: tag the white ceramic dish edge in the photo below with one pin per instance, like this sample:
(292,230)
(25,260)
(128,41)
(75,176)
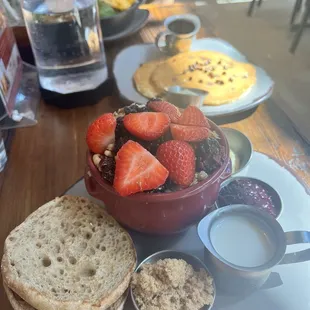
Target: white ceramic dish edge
(142,53)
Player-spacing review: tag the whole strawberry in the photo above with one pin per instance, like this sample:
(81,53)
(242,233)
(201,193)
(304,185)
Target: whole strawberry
(179,159)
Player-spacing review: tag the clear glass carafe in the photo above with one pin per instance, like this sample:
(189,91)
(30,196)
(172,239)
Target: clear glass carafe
(66,40)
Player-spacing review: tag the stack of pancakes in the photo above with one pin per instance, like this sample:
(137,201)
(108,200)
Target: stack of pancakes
(68,254)
(223,78)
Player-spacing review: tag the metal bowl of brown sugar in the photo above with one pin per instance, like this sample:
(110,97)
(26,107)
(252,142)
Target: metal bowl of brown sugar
(164,256)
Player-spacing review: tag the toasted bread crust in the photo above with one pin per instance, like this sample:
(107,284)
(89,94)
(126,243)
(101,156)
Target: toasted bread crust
(39,299)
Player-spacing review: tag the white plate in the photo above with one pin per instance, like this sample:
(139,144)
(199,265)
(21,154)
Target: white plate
(293,294)
(129,60)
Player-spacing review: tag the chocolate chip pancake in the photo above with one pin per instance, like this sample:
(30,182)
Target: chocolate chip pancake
(142,79)
(222,77)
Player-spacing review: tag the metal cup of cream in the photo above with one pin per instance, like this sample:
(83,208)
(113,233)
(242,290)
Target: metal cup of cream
(243,244)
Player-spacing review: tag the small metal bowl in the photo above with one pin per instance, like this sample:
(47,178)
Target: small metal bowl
(276,198)
(183,97)
(241,146)
(190,259)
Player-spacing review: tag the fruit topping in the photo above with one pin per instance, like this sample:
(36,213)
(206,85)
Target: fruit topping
(137,170)
(247,192)
(147,125)
(101,133)
(210,155)
(122,135)
(107,168)
(192,116)
(168,187)
(171,110)
(135,108)
(135,151)
(179,158)
(189,133)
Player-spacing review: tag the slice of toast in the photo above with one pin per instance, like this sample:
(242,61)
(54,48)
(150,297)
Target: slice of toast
(69,254)
(18,303)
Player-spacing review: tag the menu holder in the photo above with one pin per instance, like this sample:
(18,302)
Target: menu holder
(25,102)
(19,84)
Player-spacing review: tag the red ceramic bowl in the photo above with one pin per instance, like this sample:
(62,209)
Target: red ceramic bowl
(161,213)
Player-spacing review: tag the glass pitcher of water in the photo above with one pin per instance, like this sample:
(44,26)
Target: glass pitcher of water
(66,40)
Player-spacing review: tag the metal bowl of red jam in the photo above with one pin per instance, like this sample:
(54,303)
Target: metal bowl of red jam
(252,192)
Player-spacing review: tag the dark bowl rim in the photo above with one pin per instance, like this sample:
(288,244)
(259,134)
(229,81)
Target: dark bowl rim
(153,197)
(134,7)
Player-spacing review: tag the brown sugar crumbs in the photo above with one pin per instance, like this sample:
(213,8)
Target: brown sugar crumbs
(172,284)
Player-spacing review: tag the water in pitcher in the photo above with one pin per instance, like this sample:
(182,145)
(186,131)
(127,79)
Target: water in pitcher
(67,44)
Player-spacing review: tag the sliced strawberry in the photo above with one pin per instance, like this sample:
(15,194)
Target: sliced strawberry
(147,125)
(189,133)
(137,170)
(179,158)
(158,105)
(192,116)
(101,132)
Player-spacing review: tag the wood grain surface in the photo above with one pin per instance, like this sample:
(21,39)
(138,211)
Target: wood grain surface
(47,159)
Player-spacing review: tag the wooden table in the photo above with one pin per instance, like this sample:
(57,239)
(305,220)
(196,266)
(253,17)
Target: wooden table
(46,159)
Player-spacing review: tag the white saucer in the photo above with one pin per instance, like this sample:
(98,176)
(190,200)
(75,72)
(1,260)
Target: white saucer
(138,21)
(293,292)
(132,57)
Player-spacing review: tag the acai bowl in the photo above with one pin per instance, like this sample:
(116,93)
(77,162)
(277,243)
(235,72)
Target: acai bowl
(160,177)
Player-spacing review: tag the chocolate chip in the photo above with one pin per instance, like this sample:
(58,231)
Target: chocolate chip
(230,80)
(190,78)
(220,62)
(219,82)
(191,68)
(207,70)
(211,75)
(200,81)
(224,73)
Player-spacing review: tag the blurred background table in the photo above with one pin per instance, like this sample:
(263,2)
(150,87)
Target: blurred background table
(47,159)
